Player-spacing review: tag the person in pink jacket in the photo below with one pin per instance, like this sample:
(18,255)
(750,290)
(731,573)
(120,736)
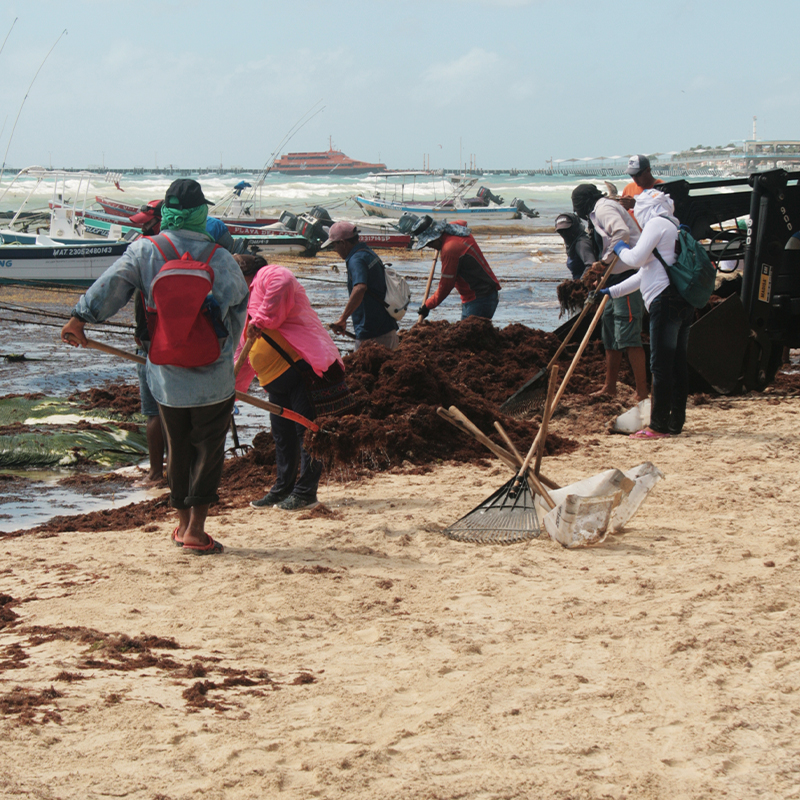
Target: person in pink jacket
(296,342)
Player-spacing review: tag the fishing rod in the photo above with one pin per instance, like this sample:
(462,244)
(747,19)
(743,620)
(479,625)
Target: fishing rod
(8,34)
(5,155)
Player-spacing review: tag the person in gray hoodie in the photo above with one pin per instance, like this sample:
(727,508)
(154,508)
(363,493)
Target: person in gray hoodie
(622,318)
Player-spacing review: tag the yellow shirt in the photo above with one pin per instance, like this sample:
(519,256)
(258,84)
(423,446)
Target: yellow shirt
(268,363)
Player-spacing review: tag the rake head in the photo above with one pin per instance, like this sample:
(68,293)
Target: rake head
(507,517)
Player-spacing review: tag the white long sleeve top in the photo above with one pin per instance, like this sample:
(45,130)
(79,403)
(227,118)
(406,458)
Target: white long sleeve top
(650,278)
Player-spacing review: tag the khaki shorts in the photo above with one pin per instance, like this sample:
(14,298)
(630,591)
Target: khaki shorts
(622,322)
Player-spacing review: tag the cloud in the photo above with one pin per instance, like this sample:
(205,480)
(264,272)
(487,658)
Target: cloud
(476,65)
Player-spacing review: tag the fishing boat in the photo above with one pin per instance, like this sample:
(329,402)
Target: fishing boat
(324,163)
(394,193)
(62,255)
(236,213)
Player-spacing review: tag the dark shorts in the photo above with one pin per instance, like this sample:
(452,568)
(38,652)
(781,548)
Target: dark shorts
(622,322)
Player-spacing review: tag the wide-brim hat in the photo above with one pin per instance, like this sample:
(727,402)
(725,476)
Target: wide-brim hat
(426,231)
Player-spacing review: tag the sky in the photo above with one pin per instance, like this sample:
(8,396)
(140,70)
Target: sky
(498,83)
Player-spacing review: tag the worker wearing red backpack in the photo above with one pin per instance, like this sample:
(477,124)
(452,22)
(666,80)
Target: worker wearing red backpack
(196,301)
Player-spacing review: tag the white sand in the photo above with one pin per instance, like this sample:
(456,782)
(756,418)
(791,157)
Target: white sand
(663,663)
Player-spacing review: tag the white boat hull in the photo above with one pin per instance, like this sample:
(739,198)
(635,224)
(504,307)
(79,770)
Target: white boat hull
(382,208)
(56,263)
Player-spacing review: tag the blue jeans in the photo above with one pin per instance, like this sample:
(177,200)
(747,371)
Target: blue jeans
(289,391)
(480,306)
(670,319)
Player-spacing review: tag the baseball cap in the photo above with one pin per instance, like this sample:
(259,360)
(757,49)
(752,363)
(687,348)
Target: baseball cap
(147,212)
(340,232)
(185,193)
(637,164)
(566,221)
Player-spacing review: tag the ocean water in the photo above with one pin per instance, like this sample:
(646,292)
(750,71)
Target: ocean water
(550,195)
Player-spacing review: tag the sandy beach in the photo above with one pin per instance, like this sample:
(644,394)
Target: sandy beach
(356,652)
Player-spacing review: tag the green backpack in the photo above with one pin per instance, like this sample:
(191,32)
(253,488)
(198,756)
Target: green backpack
(693,274)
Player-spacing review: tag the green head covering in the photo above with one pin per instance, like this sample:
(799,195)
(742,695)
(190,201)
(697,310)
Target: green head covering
(190,219)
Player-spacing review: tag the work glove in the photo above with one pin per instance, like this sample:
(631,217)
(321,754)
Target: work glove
(423,311)
(620,246)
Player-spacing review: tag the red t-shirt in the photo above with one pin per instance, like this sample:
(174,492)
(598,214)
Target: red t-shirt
(465,267)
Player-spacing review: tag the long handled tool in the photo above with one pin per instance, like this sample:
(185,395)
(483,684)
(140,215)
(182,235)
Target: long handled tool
(529,398)
(279,411)
(507,516)
(428,284)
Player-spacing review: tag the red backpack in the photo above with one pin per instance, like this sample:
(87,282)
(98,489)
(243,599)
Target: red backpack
(181,331)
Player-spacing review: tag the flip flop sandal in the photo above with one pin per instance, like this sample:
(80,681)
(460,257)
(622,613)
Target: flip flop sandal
(177,542)
(211,549)
(646,433)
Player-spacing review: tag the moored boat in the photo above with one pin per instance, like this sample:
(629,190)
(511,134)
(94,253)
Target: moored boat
(64,255)
(394,195)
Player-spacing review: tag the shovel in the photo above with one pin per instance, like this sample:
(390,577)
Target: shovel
(279,411)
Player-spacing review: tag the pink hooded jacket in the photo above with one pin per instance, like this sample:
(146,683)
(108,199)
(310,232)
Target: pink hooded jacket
(279,303)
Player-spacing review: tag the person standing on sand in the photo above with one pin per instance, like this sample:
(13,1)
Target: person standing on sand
(148,218)
(463,266)
(194,404)
(670,315)
(622,318)
(639,170)
(366,283)
(296,343)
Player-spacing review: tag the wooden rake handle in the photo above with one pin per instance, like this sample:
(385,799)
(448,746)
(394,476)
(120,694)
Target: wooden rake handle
(428,284)
(279,411)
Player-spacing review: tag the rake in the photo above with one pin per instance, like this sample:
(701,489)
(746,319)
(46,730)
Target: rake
(509,515)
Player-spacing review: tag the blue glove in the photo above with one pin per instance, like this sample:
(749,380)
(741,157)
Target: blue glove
(620,246)
(603,293)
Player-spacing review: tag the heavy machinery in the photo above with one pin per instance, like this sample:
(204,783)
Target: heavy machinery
(738,344)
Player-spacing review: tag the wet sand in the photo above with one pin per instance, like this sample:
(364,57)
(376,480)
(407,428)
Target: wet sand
(355,652)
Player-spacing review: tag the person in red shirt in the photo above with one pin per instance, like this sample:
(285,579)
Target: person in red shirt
(463,266)
(639,170)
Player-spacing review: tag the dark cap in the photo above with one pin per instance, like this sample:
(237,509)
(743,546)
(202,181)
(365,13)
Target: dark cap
(185,193)
(566,221)
(637,164)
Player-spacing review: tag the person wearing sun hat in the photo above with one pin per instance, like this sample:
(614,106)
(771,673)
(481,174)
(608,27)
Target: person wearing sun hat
(464,267)
(194,403)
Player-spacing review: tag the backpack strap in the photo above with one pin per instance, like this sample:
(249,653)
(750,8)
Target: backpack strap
(163,237)
(381,300)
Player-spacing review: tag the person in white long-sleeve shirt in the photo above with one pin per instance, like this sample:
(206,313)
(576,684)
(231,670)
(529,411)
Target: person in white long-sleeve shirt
(670,315)
(621,325)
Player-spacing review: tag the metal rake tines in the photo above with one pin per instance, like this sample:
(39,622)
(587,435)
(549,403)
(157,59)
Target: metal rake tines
(503,518)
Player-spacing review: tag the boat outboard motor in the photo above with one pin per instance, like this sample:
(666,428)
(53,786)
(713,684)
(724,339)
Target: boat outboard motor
(486,196)
(523,209)
(320,213)
(240,187)
(289,221)
(407,222)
